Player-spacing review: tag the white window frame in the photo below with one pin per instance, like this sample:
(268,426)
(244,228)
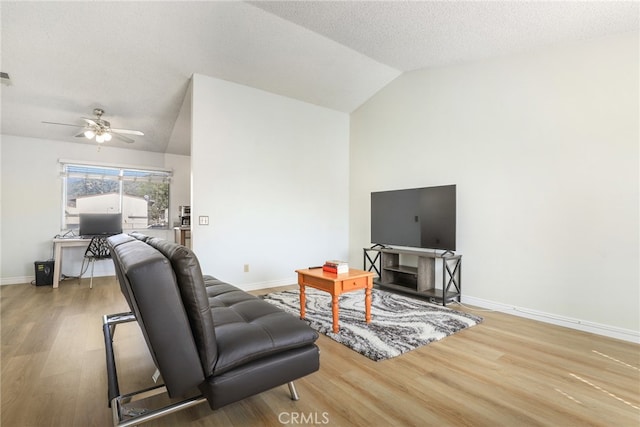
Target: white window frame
(125,173)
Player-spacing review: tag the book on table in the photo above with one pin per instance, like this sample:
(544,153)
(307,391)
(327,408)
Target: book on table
(336,266)
(336,263)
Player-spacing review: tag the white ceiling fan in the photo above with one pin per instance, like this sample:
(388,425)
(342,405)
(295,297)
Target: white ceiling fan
(101,129)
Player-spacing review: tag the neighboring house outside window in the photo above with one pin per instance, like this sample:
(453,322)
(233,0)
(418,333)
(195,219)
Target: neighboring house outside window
(142,196)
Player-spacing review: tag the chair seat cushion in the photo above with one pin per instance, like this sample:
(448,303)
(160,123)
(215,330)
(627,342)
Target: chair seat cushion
(248,328)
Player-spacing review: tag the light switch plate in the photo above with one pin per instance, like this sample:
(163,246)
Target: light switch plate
(203,220)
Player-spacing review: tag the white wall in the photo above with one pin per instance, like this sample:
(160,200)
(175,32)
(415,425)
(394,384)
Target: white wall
(271,173)
(543,148)
(31,198)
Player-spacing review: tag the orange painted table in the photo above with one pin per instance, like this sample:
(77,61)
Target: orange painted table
(336,284)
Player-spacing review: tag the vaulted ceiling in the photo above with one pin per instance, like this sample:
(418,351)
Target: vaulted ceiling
(135,59)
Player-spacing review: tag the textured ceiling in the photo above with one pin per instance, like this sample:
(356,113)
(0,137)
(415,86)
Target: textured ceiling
(135,59)
(413,35)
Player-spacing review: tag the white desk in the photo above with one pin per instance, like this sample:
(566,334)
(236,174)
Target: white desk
(58,244)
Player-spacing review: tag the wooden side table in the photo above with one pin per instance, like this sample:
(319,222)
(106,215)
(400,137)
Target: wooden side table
(336,284)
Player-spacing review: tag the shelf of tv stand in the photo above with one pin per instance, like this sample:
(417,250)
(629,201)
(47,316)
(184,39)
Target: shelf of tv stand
(431,294)
(403,269)
(420,280)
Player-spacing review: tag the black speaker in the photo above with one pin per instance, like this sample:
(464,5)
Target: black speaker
(44,273)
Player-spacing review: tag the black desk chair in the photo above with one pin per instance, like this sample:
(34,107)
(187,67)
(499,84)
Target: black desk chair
(97,250)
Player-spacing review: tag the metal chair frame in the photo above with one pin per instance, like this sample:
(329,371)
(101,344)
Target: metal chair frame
(124,417)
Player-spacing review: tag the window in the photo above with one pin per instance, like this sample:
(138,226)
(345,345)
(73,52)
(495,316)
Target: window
(142,196)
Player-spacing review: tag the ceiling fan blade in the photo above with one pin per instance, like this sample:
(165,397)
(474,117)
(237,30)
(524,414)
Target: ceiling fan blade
(127,132)
(81,134)
(123,138)
(64,124)
(90,121)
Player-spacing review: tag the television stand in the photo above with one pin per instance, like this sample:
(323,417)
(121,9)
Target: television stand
(394,272)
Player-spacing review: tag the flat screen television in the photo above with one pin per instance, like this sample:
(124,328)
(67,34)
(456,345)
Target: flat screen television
(416,217)
(100,224)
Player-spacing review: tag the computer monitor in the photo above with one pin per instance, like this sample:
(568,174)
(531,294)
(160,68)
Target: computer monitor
(100,224)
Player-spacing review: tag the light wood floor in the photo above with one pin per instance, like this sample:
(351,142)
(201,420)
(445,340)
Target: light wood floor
(507,371)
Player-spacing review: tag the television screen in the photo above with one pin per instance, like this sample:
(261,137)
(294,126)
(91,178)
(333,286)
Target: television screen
(96,224)
(417,217)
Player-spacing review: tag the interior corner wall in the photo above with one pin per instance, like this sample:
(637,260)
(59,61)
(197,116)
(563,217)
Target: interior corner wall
(543,148)
(271,175)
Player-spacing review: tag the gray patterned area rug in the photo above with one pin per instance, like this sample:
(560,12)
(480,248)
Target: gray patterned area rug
(398,323)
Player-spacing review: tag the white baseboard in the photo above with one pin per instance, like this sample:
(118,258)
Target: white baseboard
(247,287)
(578,324)
(19,280)
(16,280)
(269,284)
(568,322)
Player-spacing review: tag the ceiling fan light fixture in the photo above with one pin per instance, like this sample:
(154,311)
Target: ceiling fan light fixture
(100,129)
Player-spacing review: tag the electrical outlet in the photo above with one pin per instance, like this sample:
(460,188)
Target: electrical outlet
(246,268)
(203,220)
